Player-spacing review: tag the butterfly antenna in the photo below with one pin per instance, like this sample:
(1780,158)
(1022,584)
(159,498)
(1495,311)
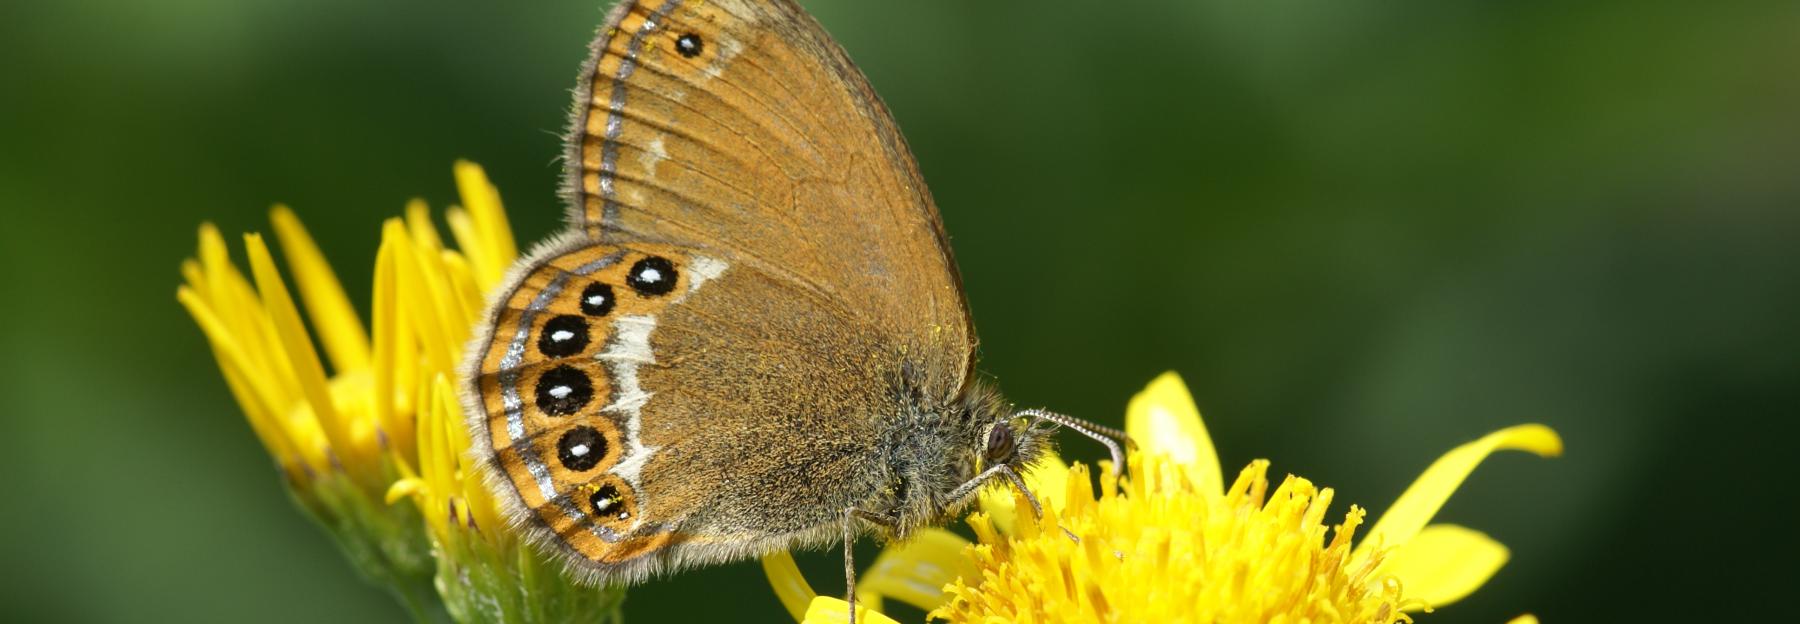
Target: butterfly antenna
(1099,433)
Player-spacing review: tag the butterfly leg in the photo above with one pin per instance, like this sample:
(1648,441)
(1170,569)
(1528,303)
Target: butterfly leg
(1037,509)
(968,488)
(851,515)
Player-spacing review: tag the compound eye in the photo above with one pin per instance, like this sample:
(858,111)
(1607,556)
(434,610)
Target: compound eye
(999,445)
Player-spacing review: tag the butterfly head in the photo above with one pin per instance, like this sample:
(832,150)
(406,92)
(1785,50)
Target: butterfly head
(1013,439)
(953,450)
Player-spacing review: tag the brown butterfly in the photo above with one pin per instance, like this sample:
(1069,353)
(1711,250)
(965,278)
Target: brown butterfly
(753,337)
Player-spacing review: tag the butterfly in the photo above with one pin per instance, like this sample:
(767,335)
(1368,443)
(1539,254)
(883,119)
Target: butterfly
(753,335)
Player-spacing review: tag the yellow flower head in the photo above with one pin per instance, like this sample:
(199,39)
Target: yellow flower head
(375,449)
(1172,543)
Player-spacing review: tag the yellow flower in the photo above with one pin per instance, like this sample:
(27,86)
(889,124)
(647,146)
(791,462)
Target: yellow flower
(375,450)
(1172,543)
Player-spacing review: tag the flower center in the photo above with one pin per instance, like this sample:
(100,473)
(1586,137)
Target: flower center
(1162,550)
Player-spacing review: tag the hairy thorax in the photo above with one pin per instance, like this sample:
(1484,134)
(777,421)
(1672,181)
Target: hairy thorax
(932,448)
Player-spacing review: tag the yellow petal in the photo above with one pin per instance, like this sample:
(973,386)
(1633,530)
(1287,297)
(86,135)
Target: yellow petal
(461,286)
(244,386)
(1163,420)
(468,241)
(1048,480)
(298,348)
(340,330)
(1444,563)
(916,571)
(488,218)
(790,586)
(418,223)
(1524,619)
(824,610)
(422,312)
(391,342)
(438,456)
(193,275)
(1424,497)
(240,313)
(403,488)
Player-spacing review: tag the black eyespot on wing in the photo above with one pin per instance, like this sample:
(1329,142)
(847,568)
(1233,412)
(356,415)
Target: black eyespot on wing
(596,299)
(563,336)
(652,276)
(607,503)
(581,448)
(563,390)
(689,45)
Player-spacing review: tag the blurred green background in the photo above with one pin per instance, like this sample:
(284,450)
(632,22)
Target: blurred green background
(1364,232)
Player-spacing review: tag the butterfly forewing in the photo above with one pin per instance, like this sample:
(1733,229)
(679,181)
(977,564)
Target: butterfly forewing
(740,127)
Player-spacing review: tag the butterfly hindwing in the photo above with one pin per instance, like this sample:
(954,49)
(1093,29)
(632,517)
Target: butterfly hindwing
(555,390)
